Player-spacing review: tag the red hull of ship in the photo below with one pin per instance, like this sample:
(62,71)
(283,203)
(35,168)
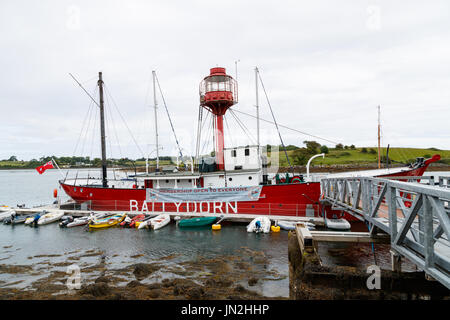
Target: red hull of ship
(278,200)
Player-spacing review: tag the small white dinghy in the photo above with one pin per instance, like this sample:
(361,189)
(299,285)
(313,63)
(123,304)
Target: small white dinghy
(6,214)
(85,220)
(337,224)
(159,221)
(144,223)
(50,217)
(289,225)
(259,224)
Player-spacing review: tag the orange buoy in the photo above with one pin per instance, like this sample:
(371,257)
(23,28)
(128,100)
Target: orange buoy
(55,193)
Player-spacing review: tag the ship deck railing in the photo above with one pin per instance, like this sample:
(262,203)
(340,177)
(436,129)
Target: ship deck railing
(191,207)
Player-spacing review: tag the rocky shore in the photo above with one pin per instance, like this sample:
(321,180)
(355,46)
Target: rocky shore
(227,277)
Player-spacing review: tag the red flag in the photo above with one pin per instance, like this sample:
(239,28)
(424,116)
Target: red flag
(48,165)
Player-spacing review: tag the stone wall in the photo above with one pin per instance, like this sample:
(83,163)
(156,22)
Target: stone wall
(308,280)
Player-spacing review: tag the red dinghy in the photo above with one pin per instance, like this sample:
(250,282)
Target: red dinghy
(139,217)
(129,222)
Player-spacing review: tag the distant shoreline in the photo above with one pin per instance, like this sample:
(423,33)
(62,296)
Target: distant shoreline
(313,169)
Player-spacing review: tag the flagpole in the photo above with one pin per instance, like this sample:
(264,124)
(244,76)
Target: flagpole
(58,168)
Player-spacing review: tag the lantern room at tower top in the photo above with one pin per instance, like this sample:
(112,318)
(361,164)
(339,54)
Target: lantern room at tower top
(218,92)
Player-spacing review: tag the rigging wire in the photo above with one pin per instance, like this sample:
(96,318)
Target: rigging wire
(228,128)
(199,132)
(126,125)
(83,127)
(84,90)
(208,141)
(170,120)
(114,127)
(207,123)
(243,127)
(273,116)
(86,134)
(286,127)
(93,137)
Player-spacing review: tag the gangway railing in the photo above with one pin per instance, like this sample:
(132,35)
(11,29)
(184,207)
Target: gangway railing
(415,215)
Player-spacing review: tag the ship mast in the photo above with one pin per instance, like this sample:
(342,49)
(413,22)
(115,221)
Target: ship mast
(257,115)
(102,130)
(257,106)
(379,134)
(156,120)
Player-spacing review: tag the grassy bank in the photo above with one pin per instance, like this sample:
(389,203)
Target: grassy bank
(357,157)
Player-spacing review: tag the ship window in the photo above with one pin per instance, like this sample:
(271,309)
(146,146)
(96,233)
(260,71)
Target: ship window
(167,181)
(178,180)
(230,179)
(233,153)
(247,152)
(190,180)
(250,178)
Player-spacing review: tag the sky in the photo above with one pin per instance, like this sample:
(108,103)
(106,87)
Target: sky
(326,66)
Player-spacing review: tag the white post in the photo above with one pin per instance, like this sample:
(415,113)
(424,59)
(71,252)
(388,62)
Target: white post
(309,161)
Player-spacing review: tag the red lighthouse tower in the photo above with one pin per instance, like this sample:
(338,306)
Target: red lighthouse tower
(218,92)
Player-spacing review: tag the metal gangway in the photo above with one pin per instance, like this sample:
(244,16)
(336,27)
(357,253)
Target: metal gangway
(414,212)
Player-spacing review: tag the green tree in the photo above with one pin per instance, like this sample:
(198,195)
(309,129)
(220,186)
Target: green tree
(302,155)
(12,158)
(339,146)
(324,149)
(312,147)
(364,150)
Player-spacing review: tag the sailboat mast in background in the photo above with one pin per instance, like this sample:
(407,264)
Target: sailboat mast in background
(379,137)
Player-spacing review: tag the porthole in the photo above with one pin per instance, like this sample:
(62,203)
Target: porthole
(230,179)
(250,178)
(167,181)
